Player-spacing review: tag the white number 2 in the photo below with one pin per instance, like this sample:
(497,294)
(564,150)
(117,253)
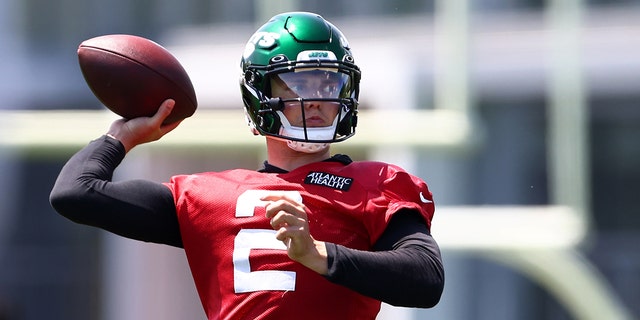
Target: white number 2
(243,278)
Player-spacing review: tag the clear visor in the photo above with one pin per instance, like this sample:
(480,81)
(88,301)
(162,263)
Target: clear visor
(311,84)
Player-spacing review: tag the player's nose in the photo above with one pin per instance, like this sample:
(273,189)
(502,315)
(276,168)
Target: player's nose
(313,104)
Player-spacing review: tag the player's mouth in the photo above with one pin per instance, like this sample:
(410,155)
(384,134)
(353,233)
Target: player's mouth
(315,121)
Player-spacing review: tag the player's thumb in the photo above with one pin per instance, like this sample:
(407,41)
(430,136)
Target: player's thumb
(165,110)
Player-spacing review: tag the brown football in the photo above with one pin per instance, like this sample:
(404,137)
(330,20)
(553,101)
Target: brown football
(132,76)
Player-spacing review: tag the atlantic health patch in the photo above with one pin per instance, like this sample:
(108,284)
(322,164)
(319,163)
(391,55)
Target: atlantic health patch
(328,180)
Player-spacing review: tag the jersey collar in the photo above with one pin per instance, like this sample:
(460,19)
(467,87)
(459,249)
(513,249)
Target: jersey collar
(341,158)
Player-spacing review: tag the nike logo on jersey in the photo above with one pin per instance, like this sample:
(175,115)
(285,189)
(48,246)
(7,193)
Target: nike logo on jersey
(328,180)
(424,200)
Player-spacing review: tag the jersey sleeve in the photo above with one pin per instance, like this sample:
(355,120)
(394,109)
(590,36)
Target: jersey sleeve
(396,190)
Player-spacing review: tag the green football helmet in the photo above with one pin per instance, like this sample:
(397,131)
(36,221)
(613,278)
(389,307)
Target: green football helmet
(288,48)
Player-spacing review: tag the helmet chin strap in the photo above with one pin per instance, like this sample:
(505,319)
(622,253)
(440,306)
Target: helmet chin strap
(307,147)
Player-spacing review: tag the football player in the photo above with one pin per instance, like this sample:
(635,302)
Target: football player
(310,235)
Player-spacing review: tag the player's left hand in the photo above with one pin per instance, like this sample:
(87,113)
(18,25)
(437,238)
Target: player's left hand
(288,217)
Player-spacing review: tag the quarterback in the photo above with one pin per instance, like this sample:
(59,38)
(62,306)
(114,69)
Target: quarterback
(310,235)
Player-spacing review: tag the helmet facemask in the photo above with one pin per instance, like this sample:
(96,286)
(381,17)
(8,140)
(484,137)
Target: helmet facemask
(311,103)
(305,137)
(320,104)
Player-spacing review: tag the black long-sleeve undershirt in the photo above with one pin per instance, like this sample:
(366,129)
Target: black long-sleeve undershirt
(136,209)
(405,268)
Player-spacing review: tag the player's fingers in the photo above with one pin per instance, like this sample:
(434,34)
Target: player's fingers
(292,197)
(298,242)
(292,235)
(286,219)
(295,208)
(164,111)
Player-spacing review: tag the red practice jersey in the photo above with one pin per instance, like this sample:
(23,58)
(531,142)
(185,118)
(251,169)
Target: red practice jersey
(242,272)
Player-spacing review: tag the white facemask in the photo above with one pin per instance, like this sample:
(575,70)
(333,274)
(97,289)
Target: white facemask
(313,133)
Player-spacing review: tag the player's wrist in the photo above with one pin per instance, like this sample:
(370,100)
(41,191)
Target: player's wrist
(125,143)
(317,261)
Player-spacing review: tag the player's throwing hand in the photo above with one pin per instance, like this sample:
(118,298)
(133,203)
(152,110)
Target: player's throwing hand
(144,129)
